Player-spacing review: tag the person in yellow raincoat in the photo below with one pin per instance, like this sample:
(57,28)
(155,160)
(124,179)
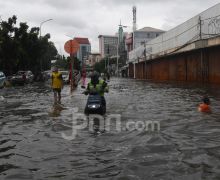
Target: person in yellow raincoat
(57,85)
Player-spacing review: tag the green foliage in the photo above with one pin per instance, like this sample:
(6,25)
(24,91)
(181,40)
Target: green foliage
(77,64)
(23,49)
(64,63)
(100,66)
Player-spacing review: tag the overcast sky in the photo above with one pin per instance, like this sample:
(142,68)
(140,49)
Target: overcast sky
(89,18)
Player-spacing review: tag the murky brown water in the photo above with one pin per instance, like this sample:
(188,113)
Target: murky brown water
(186,147)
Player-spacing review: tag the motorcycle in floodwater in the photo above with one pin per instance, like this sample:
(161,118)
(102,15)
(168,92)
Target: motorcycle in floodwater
(95,105)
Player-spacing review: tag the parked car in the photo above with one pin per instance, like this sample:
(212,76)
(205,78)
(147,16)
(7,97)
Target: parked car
(2,79)
(22,77)
(47,75)
(65,75)
(29,76)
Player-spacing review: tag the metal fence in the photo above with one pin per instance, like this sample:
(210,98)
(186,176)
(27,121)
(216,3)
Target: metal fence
(203,26)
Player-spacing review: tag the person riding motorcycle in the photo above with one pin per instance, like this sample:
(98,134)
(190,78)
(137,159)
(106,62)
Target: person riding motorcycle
(97,86)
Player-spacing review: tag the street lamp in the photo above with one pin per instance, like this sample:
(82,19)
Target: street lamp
(117,56)
(40,39)
(43,23)
(107,65)
(69,36)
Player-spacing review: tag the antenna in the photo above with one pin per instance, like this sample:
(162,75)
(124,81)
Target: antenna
(134,18)
(120,25)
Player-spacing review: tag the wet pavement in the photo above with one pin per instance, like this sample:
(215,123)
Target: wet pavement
(186,147)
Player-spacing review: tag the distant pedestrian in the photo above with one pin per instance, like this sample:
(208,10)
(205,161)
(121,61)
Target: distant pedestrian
(83,78)
(57,85)
(205,105)
(108,75)
(24,77)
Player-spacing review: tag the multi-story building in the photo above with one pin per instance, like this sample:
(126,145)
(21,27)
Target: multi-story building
(108,45)
(145,34)
(84,48)
(138,37)
(93,58)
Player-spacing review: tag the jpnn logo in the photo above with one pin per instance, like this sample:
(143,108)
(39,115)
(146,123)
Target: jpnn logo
(81,121)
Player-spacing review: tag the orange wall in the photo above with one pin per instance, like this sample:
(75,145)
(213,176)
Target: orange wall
(195,66)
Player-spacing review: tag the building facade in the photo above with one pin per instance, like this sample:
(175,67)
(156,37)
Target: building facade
(144,35)
(141,36)
(108,45)
(84,49)
(93,58)
(187,53)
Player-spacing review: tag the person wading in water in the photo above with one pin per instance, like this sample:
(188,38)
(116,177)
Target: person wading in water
(57,85)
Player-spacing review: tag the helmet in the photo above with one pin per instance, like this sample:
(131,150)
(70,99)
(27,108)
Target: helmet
(206,100)
(95,74)
(95,78)
(55,68)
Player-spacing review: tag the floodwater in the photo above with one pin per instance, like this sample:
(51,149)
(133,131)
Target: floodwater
(186,147)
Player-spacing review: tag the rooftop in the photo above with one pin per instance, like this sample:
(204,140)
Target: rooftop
(95,53)
(82,40)
(107,36)
(149,29)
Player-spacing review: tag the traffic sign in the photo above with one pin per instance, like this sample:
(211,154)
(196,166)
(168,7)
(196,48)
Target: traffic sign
(71,46)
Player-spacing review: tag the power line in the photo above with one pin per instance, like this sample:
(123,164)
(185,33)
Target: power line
(183,32)
(211,18)
(173,36)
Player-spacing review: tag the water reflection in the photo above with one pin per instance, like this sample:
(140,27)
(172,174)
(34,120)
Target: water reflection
(187,146)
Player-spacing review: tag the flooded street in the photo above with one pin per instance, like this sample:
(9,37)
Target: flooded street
(187,146)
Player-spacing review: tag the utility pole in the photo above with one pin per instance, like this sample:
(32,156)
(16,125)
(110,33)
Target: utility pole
(105,61)
(108,59)
(201,52)
(200,28)
(145,60)
(117,57)
(71,65)
(134,70)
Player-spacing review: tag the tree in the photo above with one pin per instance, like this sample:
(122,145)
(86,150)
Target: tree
(23,49)
(62,62)
(100,66)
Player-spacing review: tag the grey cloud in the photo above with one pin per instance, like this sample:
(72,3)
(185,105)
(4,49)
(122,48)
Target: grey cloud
(63,4)
(134,2)
(89,18)
(179,14)
(73,21)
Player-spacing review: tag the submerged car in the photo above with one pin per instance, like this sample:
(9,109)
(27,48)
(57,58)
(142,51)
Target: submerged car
(66,77)
(2,79)
(47,75)
(22,77)
(29,76)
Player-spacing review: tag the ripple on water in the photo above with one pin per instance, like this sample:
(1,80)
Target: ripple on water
(186,147)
